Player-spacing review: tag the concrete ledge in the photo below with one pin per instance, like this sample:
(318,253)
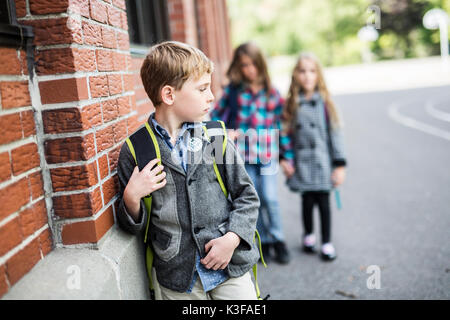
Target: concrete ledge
(116,270)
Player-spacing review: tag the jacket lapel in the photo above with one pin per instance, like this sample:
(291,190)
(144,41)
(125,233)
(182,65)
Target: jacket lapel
(166,153)
(196,156)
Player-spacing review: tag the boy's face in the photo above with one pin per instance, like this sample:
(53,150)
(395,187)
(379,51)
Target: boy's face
(193,101)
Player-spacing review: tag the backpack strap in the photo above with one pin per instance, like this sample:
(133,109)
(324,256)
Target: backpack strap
(212,130)
(144,148)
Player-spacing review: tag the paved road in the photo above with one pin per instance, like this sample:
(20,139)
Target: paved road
(396,205)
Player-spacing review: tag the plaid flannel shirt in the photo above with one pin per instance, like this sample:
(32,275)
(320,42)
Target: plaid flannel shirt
(259,118)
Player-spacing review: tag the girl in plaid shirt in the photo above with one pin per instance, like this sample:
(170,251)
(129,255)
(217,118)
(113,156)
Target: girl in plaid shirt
(313,123)
(253,108)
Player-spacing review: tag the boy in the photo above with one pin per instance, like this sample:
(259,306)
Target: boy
(202,242)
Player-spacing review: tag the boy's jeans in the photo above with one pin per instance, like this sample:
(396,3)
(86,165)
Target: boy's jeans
(269,220)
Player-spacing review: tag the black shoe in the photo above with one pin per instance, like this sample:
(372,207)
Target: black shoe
(267,256)
(281,252)
(309,249)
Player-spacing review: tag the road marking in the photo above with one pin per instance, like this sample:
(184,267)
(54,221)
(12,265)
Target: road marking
(412,123)
(438,114)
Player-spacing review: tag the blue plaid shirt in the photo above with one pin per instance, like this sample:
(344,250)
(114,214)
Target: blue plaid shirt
(209,278)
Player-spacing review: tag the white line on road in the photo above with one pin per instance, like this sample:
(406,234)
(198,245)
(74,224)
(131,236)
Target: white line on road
(438,114)
(412,123)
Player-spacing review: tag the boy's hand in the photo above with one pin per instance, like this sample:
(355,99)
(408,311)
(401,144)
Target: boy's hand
(338,176)
(220,250)
(143,183)
(288,168)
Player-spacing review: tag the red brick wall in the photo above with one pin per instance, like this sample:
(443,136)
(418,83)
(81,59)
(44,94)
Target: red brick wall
(61,130)
(25,236)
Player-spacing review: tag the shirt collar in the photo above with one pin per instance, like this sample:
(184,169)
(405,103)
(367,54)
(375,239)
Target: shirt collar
(163,132)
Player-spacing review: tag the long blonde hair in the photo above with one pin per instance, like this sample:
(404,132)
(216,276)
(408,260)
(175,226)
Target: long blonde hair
(290,110)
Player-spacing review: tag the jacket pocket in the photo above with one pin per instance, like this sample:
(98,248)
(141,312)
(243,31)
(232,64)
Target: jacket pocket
(163,243)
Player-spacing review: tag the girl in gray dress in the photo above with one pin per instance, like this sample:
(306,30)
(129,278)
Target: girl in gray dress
(313,123)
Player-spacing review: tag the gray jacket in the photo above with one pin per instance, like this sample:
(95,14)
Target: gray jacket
(191,209)
(317,149)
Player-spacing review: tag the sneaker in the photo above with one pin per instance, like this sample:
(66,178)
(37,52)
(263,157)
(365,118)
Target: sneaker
(265,248)
(327,252)
(309,243)
(281,252)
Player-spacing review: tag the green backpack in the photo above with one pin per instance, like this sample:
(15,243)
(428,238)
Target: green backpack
(139,143)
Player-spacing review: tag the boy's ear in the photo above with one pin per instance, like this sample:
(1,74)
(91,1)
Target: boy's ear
(168,94)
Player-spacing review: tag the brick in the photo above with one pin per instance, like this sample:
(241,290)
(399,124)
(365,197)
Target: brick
(3,284)
(105,60)
(119,61)
(33,218)
(15,94)
(110,189)
(10,128)
(79,6)
(78,205)
(25,158)
(114,84)
(110,110)
(88,231)
(128,82)
(48,6)
(45,241)
(120,130)
(65,60)
(63,90)
(123,105)
(99,86)
(23,62)
(123,41)
(113,157)
(28,124)
(103,166)
(114,17)
(5,167)
(13,197)
(10,236)
(74,178)
(91,116)
(98,11)
(62,120)
(120,4)
(21,8)
(23,261)
(92,34)
(70,149)
(55,31)
(124,19)
(109,38)
(9,62)
(36,184)
(104,139)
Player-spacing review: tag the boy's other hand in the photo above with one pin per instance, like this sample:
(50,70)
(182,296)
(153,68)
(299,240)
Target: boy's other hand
(220,250)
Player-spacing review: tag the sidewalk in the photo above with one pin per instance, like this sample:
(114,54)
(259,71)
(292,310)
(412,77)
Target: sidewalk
(377,76)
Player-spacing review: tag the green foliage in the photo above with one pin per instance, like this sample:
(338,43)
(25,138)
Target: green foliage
(329,27)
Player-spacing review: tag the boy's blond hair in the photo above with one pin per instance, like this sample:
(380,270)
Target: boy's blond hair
(172,63)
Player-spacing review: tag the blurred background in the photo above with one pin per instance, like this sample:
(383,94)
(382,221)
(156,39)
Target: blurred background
(383,65)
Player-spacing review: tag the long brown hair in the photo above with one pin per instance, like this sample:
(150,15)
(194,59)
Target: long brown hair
(290,110)
(250,49)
